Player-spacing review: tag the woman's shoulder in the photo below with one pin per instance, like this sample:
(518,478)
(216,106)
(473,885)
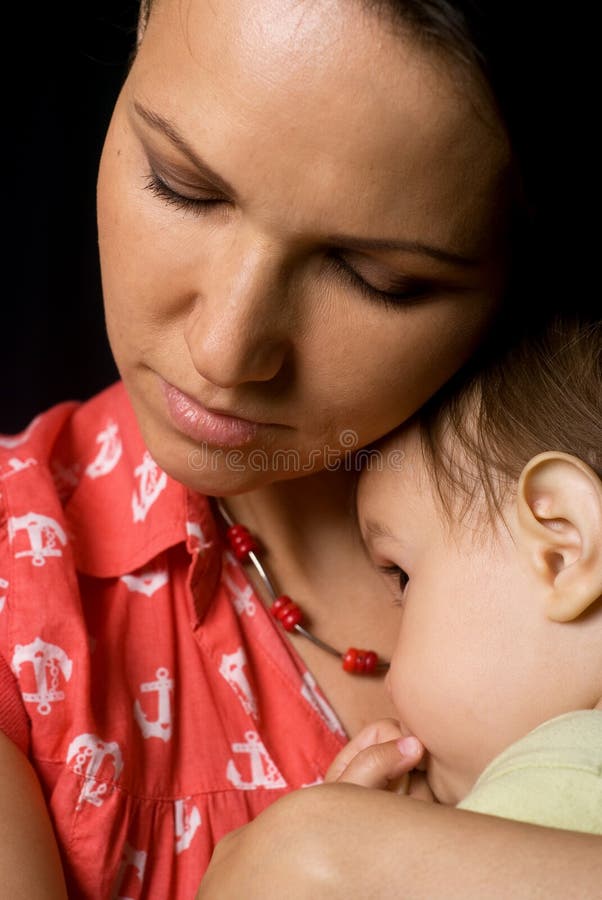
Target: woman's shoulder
(79,480)
(41,468)
(82,498)
(55,445)
(84,513)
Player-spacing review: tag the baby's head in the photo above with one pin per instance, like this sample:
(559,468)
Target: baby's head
(495,519)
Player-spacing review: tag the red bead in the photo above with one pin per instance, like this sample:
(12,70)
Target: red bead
(291,618)
(287,612)
(360,662)
(370,662)
(241,541)
(278,604)
(241,550)
(349,660)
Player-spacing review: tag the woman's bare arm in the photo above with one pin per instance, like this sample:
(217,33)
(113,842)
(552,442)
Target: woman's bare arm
(30,866)
(344,841)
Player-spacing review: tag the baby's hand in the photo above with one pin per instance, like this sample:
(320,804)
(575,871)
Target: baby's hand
(378,757)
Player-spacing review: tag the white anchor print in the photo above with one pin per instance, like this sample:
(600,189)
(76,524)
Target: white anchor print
(313,783)
(17,465)
(161,727)
(18,439)
(47,660)
(109,454)
(242,598)
(310,693)
(42,531)
(130,858)
(194,530)
(88,753)
(187,819)
(152,482)
(146,583)
(232,669)
(3,586)
(263,769)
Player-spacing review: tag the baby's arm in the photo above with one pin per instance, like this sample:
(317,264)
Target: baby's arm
(381,757)
(30,866)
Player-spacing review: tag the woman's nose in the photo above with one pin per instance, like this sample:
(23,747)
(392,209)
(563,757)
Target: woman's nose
(240,327)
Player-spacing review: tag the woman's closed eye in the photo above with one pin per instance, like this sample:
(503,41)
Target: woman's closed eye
(411,292)
(193,203)
(401,579)
(404,293)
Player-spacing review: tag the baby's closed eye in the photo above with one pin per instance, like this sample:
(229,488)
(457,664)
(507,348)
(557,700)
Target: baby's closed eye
(400,576)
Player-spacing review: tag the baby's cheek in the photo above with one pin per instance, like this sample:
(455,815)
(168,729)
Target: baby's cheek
(417,686)
(404,687)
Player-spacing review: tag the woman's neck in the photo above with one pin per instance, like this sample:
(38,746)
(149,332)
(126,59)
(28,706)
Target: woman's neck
(305,525)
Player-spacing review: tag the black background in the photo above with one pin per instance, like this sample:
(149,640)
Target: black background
(59,89)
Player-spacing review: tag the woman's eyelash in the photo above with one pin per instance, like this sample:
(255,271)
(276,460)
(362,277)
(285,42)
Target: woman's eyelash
(198,205)
(161,189)
(389,298)
(399,574)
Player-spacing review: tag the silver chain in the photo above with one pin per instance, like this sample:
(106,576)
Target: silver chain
(381,666)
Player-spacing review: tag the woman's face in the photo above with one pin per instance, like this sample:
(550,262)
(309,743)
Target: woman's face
(259,157)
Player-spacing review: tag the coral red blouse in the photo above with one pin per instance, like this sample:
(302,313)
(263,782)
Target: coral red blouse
(153,693)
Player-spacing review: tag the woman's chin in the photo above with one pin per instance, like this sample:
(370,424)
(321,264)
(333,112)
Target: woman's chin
(220,473)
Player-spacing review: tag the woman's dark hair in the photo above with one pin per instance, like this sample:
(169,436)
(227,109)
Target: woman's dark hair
(531,62)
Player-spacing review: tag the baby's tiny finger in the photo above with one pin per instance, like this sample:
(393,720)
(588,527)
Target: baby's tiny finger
(383,764)
(374,733)
(411,749)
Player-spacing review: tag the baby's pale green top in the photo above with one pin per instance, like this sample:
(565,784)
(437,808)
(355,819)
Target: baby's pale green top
(552,777)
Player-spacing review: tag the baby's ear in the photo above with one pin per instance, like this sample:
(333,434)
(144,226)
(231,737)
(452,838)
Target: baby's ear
(559,507)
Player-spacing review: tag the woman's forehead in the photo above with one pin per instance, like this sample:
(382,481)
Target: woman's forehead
(267,55)
(320,100)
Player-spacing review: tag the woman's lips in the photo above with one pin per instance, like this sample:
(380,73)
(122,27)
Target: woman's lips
(204,426)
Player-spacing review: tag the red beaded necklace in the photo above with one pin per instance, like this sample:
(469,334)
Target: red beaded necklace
(245,548)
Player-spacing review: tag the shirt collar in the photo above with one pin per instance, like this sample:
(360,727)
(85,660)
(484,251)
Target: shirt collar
(125,510)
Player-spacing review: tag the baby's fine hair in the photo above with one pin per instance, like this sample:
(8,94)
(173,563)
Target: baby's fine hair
(544,393)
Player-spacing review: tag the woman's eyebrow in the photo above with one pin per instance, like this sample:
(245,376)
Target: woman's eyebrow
(349,242)
(159,123)
(445,256)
